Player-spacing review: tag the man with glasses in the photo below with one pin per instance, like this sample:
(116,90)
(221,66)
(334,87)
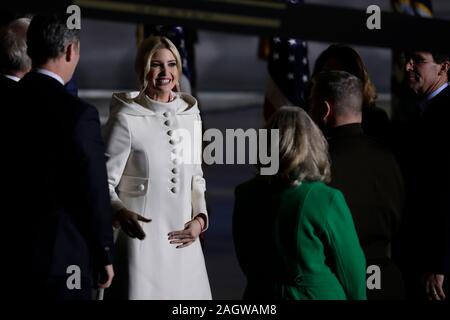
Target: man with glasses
(425,162)
(427,74)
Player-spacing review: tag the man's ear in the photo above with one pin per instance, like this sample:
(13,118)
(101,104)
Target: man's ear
(328,111)
(444,67)
(70,51)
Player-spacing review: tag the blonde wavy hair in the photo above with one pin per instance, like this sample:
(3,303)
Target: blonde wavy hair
(303,150)
(145,54)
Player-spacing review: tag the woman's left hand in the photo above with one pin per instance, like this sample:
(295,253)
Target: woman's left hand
(186,237)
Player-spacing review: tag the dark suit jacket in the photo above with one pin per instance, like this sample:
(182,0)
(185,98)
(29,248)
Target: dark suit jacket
(65,211)
(368,175)
(424,154)
(6,85)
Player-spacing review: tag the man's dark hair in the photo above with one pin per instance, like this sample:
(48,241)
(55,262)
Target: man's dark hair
(47,37)
(342,88)
(440,57)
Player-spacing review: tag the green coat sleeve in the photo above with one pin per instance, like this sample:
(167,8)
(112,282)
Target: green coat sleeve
(346,251)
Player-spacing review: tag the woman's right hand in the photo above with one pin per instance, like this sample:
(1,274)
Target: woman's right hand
(129,222)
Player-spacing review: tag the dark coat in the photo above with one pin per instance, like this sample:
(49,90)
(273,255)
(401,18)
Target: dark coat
(375,122)
(368,175)
(424,153)
(65,211)
(6,85)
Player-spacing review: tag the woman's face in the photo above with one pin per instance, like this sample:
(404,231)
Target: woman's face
(163,74)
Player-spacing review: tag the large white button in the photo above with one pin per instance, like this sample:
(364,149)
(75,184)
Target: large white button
(167,122)
(176,150)
(166,114)
(172,141)
(174,190)
(174,180)
(176,161)
(175,170)
(169,133)
(141,187)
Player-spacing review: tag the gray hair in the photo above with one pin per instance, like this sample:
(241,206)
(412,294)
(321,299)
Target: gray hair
(303,150)
(342,88)
(13,47)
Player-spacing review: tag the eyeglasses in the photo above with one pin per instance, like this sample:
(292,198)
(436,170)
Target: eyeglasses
(415,60)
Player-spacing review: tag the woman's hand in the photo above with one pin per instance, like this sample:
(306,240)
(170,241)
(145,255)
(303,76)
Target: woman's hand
(186,237)
(129,222)
(434,286)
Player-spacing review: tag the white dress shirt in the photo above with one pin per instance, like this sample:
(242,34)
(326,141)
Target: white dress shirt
(13,78)
(50,74)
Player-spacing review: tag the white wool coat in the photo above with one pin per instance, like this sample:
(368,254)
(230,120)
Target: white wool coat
(144,176)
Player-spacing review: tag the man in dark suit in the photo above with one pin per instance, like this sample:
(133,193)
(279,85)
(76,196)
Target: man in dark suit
(365,171)
(423,150)
(14,61)
(66,239)
(14,64)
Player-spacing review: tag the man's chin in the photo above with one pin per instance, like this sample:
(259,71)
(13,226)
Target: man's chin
(412,85)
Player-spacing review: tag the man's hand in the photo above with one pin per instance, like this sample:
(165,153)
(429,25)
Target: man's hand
(106,276)
(129,222)
(187,236)
(434,286)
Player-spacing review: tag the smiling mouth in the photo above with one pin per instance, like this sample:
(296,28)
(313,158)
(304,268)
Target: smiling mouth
(162,81)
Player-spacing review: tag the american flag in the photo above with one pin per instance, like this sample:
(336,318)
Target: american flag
(288,72)
(402,103)
(177,35)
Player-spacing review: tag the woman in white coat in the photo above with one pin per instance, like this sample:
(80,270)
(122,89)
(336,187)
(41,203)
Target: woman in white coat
(153,140)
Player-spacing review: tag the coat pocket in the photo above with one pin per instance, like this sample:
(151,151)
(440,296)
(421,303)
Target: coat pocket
(133,186)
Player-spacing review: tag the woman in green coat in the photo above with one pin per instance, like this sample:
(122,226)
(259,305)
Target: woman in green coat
(294,236)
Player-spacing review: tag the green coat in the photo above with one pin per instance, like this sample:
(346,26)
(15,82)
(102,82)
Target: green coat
(297,243)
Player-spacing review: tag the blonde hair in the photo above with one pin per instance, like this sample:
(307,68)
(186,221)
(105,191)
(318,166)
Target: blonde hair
(145,54)
(303,150)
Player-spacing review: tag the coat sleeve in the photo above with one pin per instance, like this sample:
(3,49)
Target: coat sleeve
(118,147)
(91,173)
(347,254)
(199,183)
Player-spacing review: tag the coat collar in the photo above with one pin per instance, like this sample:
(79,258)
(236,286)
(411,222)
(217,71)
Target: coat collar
(138,104)
(347,130)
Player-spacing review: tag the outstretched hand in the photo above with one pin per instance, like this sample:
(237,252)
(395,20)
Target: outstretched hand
(129,222)
(189,234)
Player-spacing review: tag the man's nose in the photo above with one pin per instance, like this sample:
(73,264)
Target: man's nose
(409,65)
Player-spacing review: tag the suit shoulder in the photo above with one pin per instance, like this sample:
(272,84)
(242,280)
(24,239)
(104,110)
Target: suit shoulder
(442,102)
(365,147)
(378,146)
(80,106)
